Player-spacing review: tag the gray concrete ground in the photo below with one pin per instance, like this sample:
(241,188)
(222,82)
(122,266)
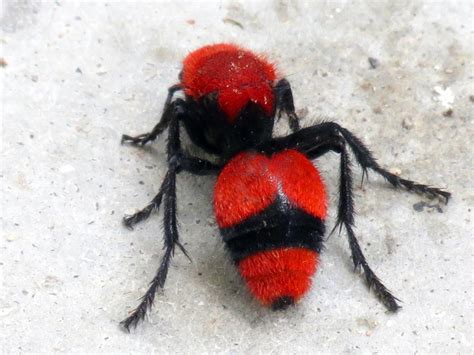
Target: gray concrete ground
(76,75)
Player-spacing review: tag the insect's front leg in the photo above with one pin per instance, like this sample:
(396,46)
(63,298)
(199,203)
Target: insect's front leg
(178,158)
(144,138)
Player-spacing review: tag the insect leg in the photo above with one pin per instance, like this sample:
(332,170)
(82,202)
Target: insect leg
(130,220)
(345,217)
(144,138)
(171,236)
(364,157)
(314,146)
(284,97)
(367,161)
(170,241)
(184,162)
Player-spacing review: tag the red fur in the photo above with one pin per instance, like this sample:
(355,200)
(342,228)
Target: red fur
(251,182)
(280,272)
(235,74)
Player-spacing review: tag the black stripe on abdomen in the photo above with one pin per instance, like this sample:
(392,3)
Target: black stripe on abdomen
(276,227)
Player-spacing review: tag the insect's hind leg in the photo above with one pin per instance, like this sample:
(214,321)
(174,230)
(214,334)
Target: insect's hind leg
(345,217)
(314,146)
(285,103)
(144,138)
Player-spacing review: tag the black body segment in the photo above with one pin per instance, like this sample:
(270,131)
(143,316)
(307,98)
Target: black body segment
(278,226)
(208,128)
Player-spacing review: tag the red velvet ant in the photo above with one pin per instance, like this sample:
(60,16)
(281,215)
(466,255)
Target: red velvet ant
(269,200)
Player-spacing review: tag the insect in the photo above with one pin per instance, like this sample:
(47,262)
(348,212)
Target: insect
(269,199)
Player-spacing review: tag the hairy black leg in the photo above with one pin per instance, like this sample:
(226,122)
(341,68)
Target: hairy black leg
(144,138)
(306,137)
(367,161)
(345,217)
(171,236)
(170,241)
(130,220)
(185,163)
(196,166)
(181,159)
(285,103)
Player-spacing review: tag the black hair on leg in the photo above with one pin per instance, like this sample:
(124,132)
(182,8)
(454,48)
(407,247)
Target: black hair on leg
(171,236)
(310,138)
(367,161)
(345,217)
(130,220)
(144,138)
(146,301)
(184,163)
(182,160)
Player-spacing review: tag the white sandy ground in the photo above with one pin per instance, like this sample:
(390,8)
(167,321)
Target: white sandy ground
(76,75)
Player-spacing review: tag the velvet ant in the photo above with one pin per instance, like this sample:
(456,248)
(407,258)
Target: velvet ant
(269,200)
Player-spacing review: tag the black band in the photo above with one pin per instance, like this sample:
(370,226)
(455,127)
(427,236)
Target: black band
(279,226)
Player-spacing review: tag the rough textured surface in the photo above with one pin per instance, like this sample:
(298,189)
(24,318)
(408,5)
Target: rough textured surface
(75,76)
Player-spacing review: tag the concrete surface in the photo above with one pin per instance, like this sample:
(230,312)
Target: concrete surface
(76,75)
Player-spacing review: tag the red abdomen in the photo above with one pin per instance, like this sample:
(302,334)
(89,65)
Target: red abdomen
(236,75)
(271,212)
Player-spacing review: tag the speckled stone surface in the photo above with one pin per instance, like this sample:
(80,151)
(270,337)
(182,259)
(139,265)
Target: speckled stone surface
(76,75)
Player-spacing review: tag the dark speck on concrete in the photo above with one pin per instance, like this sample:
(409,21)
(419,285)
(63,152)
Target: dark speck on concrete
(374,63)
(420,206)
(390,244)
(232,22)
(448,113)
